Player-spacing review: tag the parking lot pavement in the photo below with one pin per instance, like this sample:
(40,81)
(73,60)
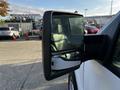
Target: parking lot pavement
(19,51)
(21,67)
(36,81)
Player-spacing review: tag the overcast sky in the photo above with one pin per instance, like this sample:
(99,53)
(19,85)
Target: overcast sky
(94,7)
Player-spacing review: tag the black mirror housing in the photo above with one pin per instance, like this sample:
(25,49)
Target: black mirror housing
(62,43)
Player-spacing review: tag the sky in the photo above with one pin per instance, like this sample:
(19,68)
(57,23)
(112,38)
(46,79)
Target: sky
(94,7)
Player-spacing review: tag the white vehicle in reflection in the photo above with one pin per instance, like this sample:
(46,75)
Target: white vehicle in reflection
(9,32)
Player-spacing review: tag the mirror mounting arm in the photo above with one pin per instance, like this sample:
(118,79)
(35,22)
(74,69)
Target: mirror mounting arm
(95,47)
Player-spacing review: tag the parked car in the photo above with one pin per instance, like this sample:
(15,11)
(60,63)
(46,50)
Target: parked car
(9,32)
(91,29)
(92,61)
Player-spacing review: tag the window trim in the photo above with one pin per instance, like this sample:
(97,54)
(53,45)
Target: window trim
(108,64)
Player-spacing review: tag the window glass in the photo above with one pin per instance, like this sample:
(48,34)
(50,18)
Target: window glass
(116,55)
(58,36)
(63,29)
(67,32)
(76,25)
(4,29)
(57,27)
(12,29)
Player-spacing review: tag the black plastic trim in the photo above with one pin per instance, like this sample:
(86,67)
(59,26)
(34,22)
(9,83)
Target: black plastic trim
(45,45)
(95,46)
(73,79)
(108,64)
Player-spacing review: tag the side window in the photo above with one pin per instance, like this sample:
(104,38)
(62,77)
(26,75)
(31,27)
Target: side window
(57,27)
(58,36)
(12,29)
(116,55)
(76,26)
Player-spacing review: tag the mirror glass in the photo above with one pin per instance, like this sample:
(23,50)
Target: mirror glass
(67,32)
(63,45)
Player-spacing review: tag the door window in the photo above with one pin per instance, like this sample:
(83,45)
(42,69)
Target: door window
(116,55)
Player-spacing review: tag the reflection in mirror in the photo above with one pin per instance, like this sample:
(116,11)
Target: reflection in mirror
(116,55)
(67,32)
(62,43)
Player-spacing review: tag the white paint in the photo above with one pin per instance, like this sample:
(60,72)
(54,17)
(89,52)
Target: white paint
(79,74)
(96,77)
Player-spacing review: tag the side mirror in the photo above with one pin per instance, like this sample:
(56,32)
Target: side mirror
(63,36)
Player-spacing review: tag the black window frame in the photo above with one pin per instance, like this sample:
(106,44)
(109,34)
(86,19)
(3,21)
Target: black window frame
(109,63)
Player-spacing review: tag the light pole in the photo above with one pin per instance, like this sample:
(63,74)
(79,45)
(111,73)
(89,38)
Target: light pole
(86,12)
(111,7)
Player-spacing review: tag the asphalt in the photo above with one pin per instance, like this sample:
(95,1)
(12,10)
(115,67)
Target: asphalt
(21,67)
